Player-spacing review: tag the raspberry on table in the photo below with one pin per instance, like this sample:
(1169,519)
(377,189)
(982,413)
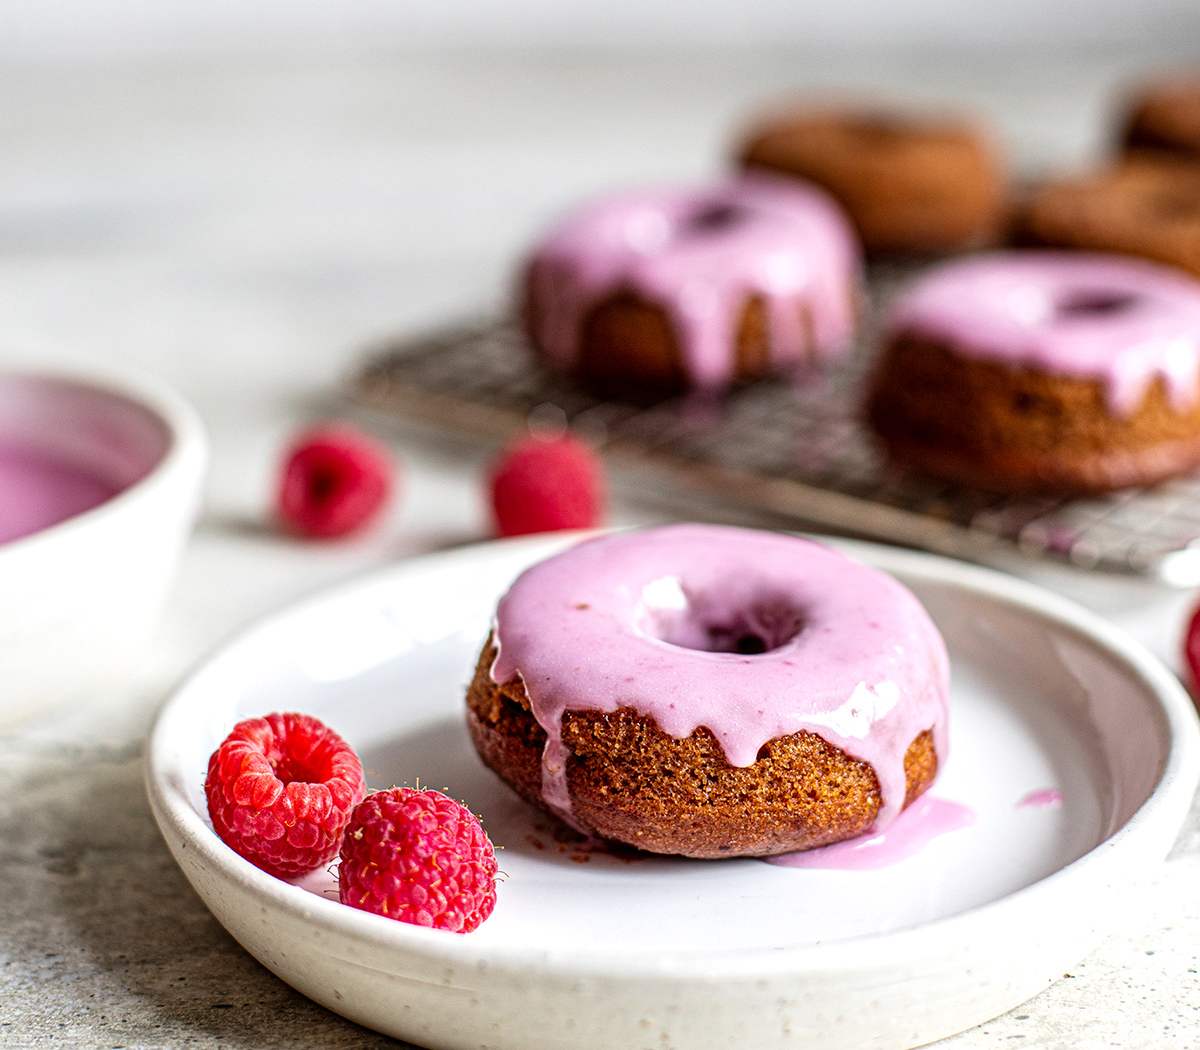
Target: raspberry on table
(334,481)
(280,790)
(1191,654)
(419,857)
(541,484)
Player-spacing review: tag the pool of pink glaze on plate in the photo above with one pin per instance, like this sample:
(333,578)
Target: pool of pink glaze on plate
(39,489)
(1041,798)
(925,820)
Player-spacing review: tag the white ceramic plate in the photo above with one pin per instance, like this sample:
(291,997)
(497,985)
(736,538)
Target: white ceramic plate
(595,952)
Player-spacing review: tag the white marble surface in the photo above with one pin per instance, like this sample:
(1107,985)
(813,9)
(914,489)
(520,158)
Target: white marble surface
(241,228)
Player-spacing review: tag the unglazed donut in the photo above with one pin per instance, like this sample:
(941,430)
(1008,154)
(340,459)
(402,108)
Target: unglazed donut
(910,184)
(1147,206)
(712,692)
(653,292)
(1165,117)
(1043,371)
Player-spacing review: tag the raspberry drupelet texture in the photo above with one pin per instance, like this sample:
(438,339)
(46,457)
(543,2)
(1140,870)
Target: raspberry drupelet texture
(419,857)
(280,790)
(545,484)
(335,480)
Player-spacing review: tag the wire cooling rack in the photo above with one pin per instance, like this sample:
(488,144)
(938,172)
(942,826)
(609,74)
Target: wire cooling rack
(793,450)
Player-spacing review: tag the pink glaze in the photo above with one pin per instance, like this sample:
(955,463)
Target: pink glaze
(1041,798)
(925,820)
(1122,322)
(699,253)
(39,489)
(628,620)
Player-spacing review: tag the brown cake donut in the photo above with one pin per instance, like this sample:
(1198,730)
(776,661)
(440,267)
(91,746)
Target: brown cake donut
(628,349)
(625,771)
(1165,117)
(1043,372)
(909,184)
(1145,207)
(632,783)
(652,293)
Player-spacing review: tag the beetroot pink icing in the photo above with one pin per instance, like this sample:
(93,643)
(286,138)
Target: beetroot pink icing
(652,620)
(1041,798)
(699,253)
(1121,322)
(925,820)
(38,489)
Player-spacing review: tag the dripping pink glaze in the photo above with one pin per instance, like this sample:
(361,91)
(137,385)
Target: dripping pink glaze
(784,242)
(1016,308)
(38,489)
(585,631)
(925,820)
(1041,798)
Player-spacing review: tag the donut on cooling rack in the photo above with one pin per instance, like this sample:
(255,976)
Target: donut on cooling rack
(712,692)
(1049,371)
(1145,206)
(909,184)
(650,293)
(1165,117)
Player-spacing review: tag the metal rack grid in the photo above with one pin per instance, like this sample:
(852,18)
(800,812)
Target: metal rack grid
(796,450)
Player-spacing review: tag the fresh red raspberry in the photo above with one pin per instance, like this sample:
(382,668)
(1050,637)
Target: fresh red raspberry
(280,790)
(335,480)
(544,484)
(1191,654)
(419,857)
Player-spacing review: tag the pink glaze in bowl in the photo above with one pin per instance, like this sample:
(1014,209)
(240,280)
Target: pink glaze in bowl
(66,447)
(99,481)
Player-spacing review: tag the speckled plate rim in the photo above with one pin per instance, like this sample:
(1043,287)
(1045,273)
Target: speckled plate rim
(1147,835)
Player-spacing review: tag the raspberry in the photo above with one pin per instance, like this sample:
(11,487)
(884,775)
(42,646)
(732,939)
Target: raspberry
(545,484)
(334,481)
(280,790)
(1191,653)
(419,857)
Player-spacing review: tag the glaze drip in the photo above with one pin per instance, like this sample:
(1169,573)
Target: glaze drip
(754,635)
(700,254)
(1121,322)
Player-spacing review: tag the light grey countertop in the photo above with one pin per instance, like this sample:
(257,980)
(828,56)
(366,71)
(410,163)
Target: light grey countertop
(241,229)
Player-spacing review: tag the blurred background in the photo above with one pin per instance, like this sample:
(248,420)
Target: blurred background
(239,197)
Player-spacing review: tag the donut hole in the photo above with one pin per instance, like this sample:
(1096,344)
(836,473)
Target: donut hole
(717,217)
(1094,302)
(712,623)
(879,127)
(1175,206)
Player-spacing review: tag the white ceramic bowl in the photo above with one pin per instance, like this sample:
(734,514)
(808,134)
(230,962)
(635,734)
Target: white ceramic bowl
(704,955)
(80,597)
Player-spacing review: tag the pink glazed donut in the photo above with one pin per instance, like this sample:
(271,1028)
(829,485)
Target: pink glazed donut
(1044,370)
(712,691)
(653,292)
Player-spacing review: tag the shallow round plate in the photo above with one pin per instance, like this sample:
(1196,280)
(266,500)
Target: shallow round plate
(592,951)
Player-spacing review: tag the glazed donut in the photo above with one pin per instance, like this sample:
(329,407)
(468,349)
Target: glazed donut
(1165,116)
(653,292)
(1145,207)
(712,692)
(910,185)
(1043,371)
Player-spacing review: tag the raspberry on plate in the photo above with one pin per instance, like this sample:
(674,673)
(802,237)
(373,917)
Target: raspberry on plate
(335,480)
(543,484)
(280,790)
(419,857)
